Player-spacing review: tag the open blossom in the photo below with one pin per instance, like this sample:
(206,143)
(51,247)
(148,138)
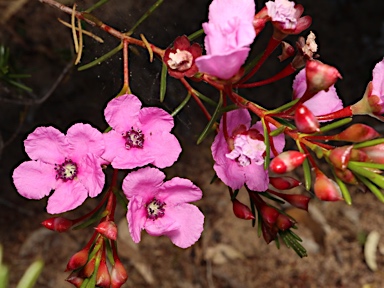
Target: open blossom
(239,160)
(68,164)
(139,136)
(229,33)
(283,11)
(162,208)
(180,59)
(320,104)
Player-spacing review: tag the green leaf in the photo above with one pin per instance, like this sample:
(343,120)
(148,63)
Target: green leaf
(102,58)
(196,34)
(376,191)
(145,16)
(97,5)
(306,170)
(31,275)
(291,240)
(344,190)
(372,176)
(267,158)
(336,124)
(369,143)
(204,98)
(163,82)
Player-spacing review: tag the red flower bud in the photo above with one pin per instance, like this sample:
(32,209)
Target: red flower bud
(269,232)
(89,268)
(107,229)
(284,182)
(284,222)
(103,279)
(286,161)
(346,176)
(75,280)
(296,200)
(320,76)
(326,189)
(305,121)
(375,153)
(241,211)
(78,260)
(357,133)
(59,224)
(340,157)
(269,214)
(118,275)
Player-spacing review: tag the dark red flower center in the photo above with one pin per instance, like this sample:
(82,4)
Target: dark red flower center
(66,170)
(155,209)
(134,138)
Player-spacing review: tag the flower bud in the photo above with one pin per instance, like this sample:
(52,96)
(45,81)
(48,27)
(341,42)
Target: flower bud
(75,280)
(340,156)
(241,211)
(118,275)
(320,76)
(103,279)
(269,232)
(284,182)
(305,121)
(357,133)
(375,153)
(283,222)
(296,200)
(107,229)
(59,224)
(326,189)
(89,268)
(346,176)
(286,161)
(269,214)
(78,260)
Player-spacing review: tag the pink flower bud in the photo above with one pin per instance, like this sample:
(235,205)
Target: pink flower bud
(78,260)
(89,268)
(340,156)
(269,214)
(346,176)
(305,121)
(357,133)
(320,76)
(59,224)
(326,189)
(107,229)
(296,200)
(241,211)
(286,161)
(103,279)
(75,280)
(118,275)
(283,222)
(284,182)
(375,153)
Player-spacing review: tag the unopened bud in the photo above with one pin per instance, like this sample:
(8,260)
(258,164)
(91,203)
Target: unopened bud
(340,156)
(59,224)
(89,268)
(283,222)
(103,279)
(75,280)
(375,153)
(284,182)
(107,229)
(320,76)
(326,189)
(296,200)
(269,214)
(269,232)
(241,211)
(78,260)
(357,133)
(118,275)
(346,176)
(287,161)
(305,121)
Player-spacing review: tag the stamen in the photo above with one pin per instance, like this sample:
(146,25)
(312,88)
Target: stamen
(134,138)
(181,60)
(66,171)
(155,209)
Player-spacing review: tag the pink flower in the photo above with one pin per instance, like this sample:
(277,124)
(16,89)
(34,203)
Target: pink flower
(229,33)
(283,11)
(140,136)
(320,104)
(162,208)
(68,164)
(241,161)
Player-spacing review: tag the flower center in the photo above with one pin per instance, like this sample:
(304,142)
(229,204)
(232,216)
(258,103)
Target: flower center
(134,138)
(246,148)
(180,61)
(66,171)
(155,209)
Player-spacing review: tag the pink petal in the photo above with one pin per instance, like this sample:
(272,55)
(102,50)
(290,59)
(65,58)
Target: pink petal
(84,139)
(34,179)
(114,145)
(236,118)
(278,141)
(256,177)
(222,10)
(144,183)
(67,196)
(121,113)
(154,119)
(136,217)
(378,80)
(191,222)
(179,190)
(47,144)
(163,148)
(230,173)
(223,66)
(162,225)
(91,175)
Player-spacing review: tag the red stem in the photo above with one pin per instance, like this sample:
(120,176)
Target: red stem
(345,112)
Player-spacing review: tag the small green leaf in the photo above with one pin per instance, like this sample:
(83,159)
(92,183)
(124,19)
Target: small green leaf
(95,6)
(267,158)
(211,122)
(293,241)
(306,170)
(372,176)
(336,124)
(145,16)
(369,143)
(31,275)
(163,81)
(376,191)
(196,34)
(204,98)
(102,58)
(344,190)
